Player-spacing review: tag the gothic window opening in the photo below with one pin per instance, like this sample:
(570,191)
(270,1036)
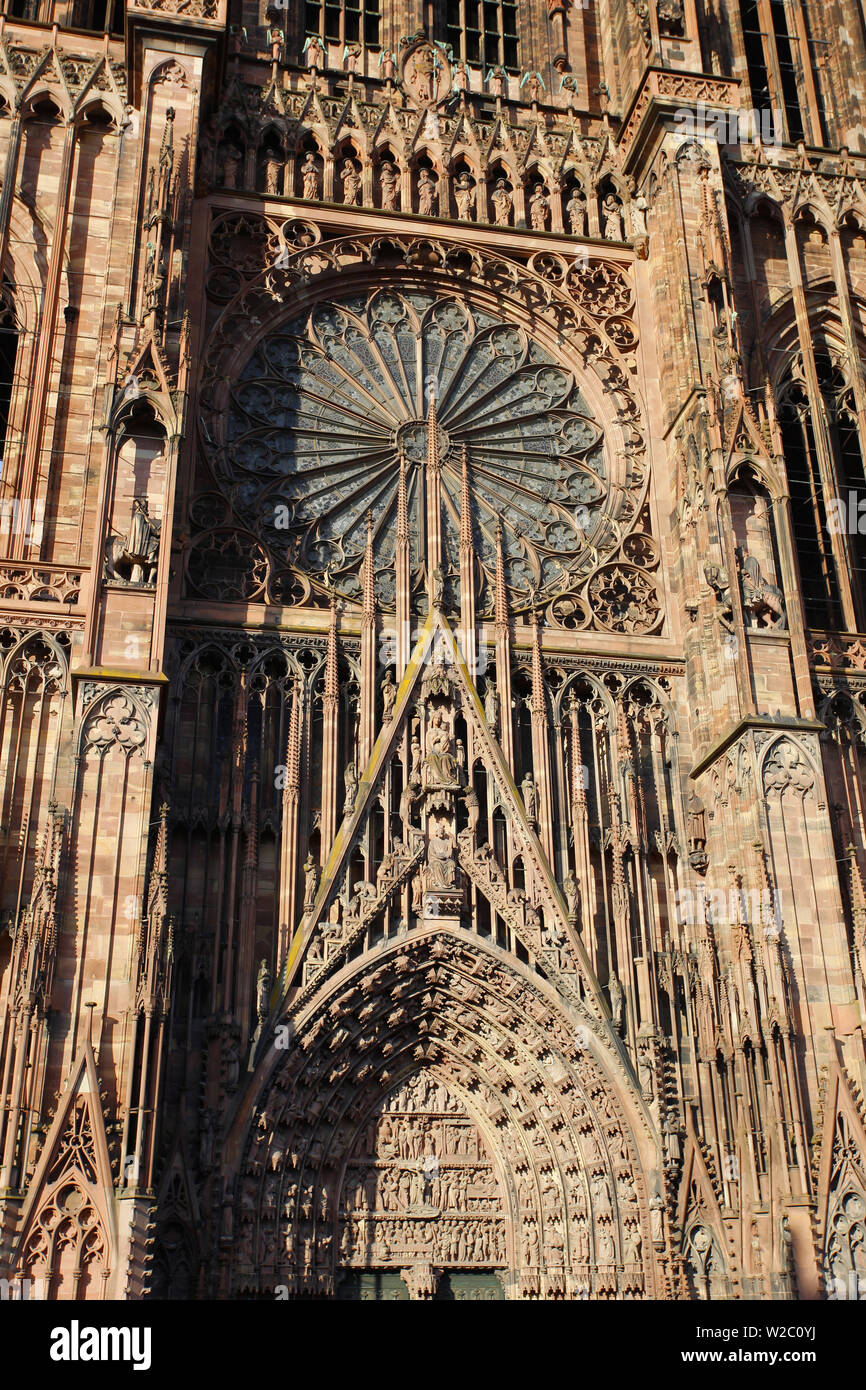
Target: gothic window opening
(99,15)
(819,581)
(346,21)
(483,31)
(10,331)
(774,65)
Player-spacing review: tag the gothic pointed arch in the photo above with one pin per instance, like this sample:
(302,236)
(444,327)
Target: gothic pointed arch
(460,1123)
(68,1239)
(840,1226)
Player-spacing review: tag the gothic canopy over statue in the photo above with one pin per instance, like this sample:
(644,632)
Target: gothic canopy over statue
(328,404)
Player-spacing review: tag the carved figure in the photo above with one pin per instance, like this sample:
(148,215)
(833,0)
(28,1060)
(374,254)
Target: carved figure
(133,558)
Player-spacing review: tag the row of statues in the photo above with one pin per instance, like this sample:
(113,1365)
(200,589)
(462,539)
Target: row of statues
(470,199)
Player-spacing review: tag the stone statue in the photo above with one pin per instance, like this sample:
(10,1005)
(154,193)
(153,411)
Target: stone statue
(539,209)
(761,600)
(440,857)
(350,780)
(527,788)
(613,229)
(351,54)
(312,182)
(387,64)
(639,207)
(415,753)
(496,80)
(473,809)
(440,764)
(502,201)
(464,197)
(231,165)
(617,1001)
(206,1140)
(273,168)
(389,695)
(133,558)
(438,587)
(426,193)
(311,881)
(491,705)
(389,183)
(315,51)
(570,889)
(575,210)
(351,183)
(263,989)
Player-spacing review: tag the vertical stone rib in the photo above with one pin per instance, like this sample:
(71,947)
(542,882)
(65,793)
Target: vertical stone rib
(367,730)
(541,747)
(503,656)
(467,570)
(433,487)
(289,840)
(330,737)
(402,576)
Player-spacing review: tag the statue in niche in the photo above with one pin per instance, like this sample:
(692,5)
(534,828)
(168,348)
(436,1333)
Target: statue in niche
(441,869)
(473,810)
(231,165)
(263,989)
(491,705)
(389,182)
(527,789)
(350,781)
(426,193)
(464,197)
(389,695)
(539,209)
(575,210)
(762,601)
(440,764)
(697,833)
(133,558)
(613,228)
(415,755)
(438,587)
(617,1001)
(273,168)
(312,182)
(570,889)
(502,203)
(351,183)
(311,881)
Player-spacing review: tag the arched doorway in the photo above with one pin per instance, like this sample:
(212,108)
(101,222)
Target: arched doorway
(439,1120)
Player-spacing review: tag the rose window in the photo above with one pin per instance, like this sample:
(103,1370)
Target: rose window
(310,438)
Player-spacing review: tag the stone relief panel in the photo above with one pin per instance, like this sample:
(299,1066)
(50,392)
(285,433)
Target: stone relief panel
(420,1185)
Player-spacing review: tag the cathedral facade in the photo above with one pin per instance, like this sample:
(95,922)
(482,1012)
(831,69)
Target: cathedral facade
(432,649)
